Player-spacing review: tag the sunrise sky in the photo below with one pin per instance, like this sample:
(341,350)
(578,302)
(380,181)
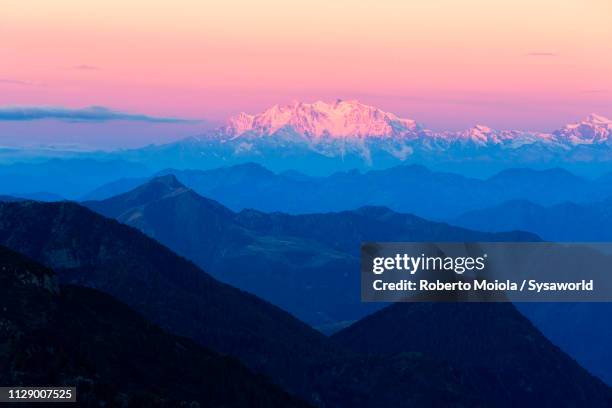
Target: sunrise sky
(528,64)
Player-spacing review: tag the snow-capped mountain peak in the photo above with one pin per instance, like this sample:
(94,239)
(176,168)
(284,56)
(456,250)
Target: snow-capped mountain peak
(482,129)
(597,119)
(350,119)
(342,135)
(591,130)
(339,119)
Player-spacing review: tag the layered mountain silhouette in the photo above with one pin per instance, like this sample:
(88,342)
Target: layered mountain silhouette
(37,196)
(314,257)
(307,264)
(9,198)
(89,250)
(411,189)
(504,358)
(59,178)
(75,336)
(585,222)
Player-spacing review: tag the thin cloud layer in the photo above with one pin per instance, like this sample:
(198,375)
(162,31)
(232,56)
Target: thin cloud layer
(12,81)
(89,114)
(85,67)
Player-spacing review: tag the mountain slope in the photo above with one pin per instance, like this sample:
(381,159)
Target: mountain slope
(305,264)
(345,230)
(313,259)
(89,250)
(51,335)
(569,324)
(497,348)
(179,215)
(113,188)
(566,324)
(282,268)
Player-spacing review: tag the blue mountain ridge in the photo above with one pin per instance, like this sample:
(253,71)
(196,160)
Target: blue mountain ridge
(410,188)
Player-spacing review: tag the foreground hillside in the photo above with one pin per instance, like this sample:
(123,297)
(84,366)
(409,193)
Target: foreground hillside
(568,324)
(90,250)
(87,249)
(499,348)
(73,336)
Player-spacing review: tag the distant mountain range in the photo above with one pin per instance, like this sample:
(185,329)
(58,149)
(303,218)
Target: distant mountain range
(74,336)
(56,179)
(353,121)
(520,366)
(320,138)
(568,221)
(317,139)
(408,188)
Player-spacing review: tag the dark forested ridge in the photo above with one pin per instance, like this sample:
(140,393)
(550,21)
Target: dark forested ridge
(87,249)
(75,336)
(502,353)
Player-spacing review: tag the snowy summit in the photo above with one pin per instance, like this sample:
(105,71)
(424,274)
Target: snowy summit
(339,119)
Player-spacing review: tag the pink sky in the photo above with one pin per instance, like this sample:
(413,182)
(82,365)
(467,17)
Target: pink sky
(533,64)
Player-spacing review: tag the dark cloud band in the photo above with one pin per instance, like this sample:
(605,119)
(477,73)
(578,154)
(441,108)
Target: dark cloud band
(89,114)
